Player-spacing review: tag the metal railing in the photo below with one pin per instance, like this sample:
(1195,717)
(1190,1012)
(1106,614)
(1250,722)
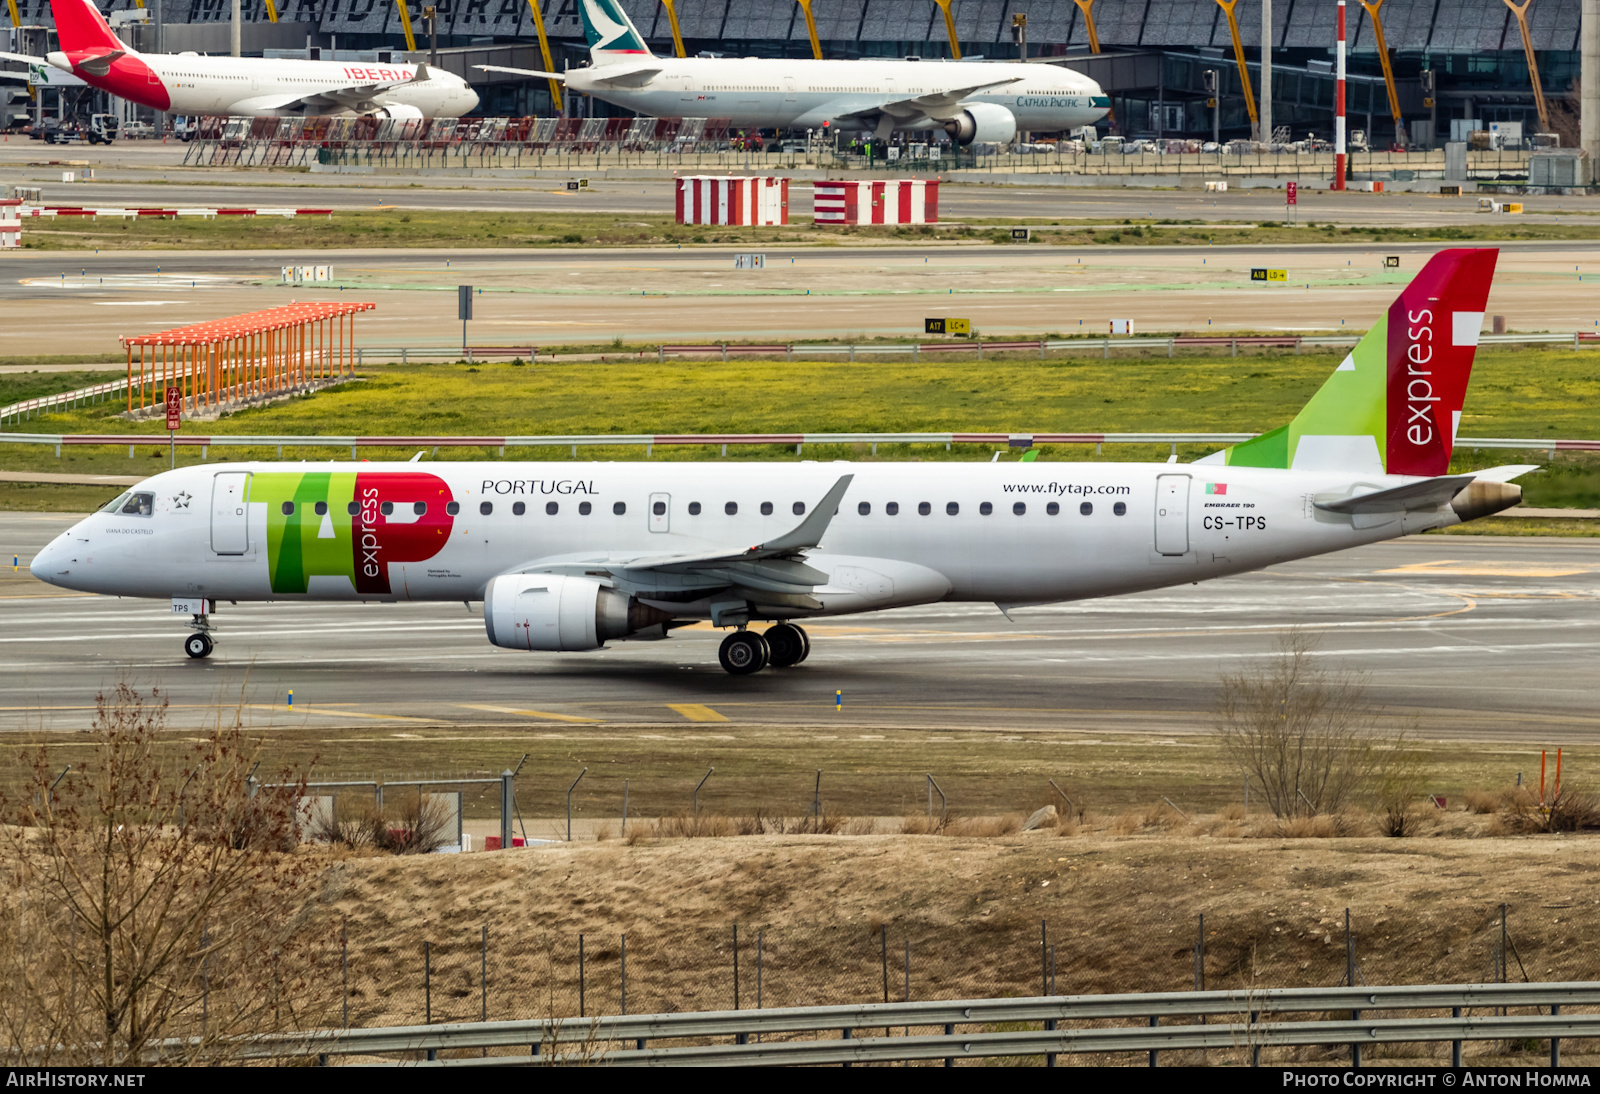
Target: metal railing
(1250,1020)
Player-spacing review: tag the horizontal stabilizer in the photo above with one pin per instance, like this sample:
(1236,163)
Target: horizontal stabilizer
(1426,494)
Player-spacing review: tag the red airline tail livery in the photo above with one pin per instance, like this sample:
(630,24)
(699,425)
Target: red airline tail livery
(187,83)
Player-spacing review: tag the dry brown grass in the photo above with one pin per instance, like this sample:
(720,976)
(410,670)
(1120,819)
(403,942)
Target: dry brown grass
(1319,826)
(1571,809)
(1483,802)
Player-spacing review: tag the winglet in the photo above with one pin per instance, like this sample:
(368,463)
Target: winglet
(808,533)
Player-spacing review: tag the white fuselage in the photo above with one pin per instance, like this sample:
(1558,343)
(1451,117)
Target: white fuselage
(799,94)
(1147,525)
(189,84)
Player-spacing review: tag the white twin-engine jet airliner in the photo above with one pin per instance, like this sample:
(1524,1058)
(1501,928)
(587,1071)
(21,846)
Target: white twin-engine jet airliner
(971,101)
(570,556)
(188,84)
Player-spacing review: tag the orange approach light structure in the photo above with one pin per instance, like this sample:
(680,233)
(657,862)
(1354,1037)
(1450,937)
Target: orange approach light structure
(233,361)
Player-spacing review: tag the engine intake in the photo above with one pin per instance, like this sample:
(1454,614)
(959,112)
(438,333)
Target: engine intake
(561,614)
(986,123)
(398,111)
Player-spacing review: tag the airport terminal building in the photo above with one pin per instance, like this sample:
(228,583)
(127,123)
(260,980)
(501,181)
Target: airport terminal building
(1457,64)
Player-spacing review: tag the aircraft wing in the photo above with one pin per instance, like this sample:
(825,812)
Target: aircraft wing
(773,567)
(939,106)
(523,72)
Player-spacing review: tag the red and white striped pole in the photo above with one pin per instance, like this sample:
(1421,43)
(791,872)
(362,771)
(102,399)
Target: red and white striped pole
(1338,110)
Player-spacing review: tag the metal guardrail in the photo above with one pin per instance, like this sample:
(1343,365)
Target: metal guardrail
(650,440)
(95,393)
(1250,1023)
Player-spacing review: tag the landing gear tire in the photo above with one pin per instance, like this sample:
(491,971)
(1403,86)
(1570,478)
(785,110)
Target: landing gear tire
(198,646)
(788,643)
(744,652)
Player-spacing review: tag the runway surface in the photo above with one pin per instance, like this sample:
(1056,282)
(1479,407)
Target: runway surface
(60,303)
(1491,638)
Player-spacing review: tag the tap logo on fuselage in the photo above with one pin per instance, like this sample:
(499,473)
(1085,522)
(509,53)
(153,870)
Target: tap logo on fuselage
(353,525)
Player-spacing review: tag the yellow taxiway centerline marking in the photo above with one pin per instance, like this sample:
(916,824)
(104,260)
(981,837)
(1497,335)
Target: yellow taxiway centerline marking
(697,712)
(306,709)
(1456,568)
(529,713)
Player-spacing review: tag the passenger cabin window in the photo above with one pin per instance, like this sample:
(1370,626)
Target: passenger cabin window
(321,508)
(952,507)
(621,507)
(1019,507)
(892,508)
(288,509)
(584,508)
(387,508)
(924,508)
(419,508)
(985,509)
(694,509)
(864,508)
(517,508)
(1086,508)
(1053,508)
(731,508)
(486,507)
(766,508)
(353,508)
(451,508)
(142,505)
(1120,509)
(799,508)
(660,508)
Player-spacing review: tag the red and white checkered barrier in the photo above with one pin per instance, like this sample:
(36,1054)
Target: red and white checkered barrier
(10,223)
(732,199)
(897,202)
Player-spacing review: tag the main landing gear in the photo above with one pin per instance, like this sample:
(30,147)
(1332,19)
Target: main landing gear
(744,651)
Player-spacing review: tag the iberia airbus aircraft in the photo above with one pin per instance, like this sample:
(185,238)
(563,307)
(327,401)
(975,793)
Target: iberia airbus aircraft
(187,83)
(570,556)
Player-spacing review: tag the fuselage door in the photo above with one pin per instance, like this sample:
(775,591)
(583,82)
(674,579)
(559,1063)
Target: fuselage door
(661,512)
(230,525)
(1172,514)
(788,90)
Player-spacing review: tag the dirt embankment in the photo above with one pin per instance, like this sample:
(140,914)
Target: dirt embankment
(854,918)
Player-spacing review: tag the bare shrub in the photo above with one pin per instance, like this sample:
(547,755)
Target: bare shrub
(153,894)
(1126,824)
(1401,811)
(1066,826)
(1570,809)
(1232,811)
(1305,735)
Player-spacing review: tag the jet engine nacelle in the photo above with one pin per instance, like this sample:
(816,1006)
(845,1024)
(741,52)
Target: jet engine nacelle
(987,123)
(401,111)
(562,614)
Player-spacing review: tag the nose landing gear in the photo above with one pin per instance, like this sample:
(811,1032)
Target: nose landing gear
(744,652)
(200,643)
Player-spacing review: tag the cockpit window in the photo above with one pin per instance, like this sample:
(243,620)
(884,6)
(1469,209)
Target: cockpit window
(115,504)
(140,505)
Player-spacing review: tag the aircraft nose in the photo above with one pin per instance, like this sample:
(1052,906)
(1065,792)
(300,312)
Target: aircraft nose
(471,98)
(47,563)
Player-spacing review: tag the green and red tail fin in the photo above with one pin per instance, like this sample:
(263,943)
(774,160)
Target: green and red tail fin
(1394,404)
